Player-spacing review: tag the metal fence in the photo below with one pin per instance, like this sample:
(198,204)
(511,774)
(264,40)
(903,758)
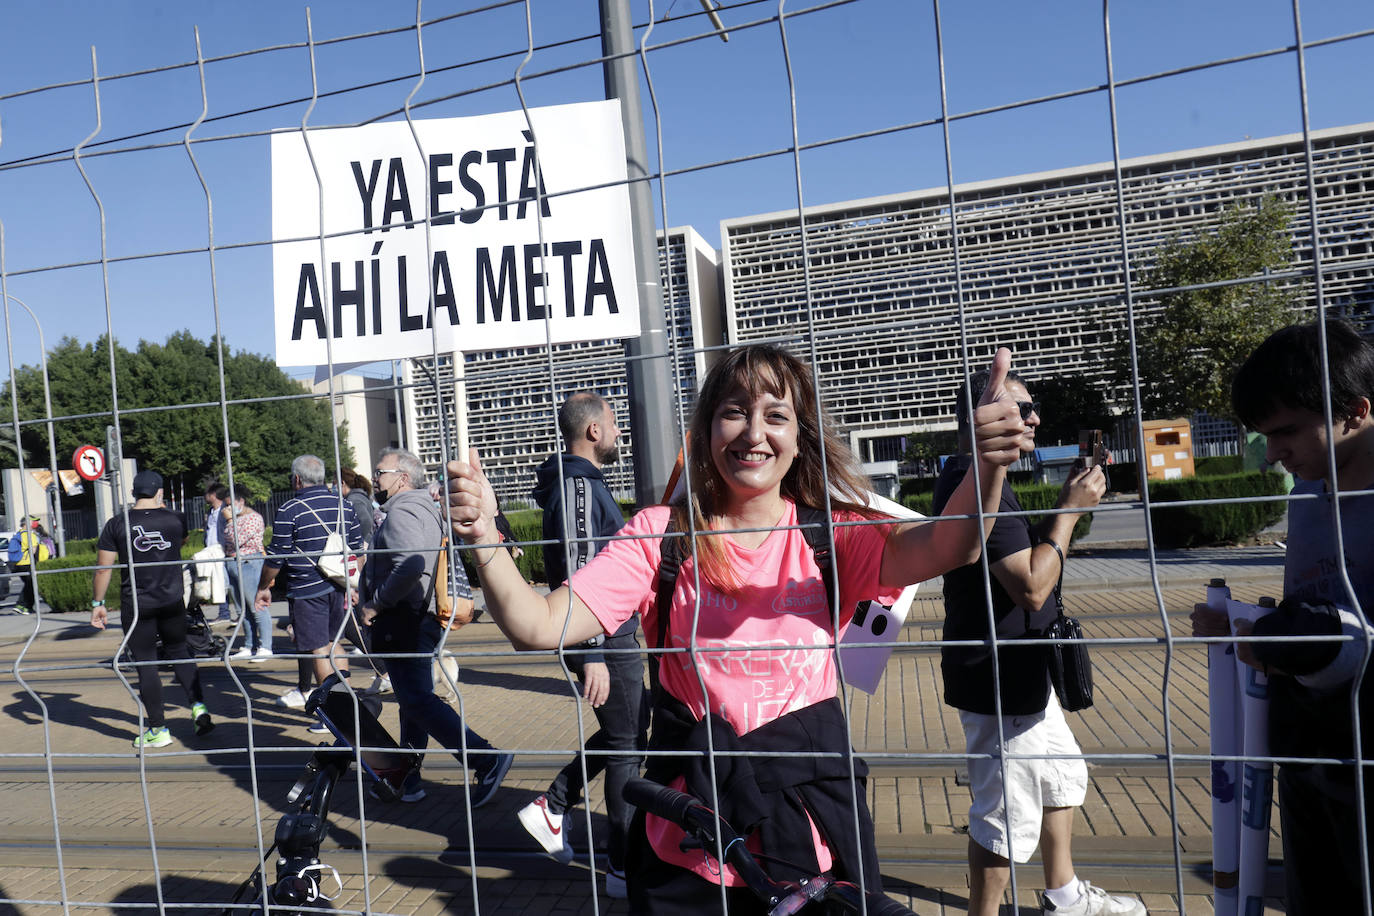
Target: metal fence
(94,826)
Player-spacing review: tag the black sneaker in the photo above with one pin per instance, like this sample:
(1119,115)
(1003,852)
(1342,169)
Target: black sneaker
(488,781)
(204,724)
(408,791)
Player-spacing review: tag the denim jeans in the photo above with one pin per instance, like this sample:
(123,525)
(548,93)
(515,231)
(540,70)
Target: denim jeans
(423,714)
(622,720)
(243,593)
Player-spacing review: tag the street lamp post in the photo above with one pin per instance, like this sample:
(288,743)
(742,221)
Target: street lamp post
(58,533)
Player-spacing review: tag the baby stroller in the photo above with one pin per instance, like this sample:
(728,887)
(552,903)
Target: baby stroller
(201,641)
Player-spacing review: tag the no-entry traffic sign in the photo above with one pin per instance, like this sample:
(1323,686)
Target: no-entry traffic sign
(89,462)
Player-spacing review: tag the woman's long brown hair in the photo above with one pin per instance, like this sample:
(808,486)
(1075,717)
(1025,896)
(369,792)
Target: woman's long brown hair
(758,369)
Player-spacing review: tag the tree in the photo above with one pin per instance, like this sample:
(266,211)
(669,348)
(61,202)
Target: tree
(187,441)
(1189,348)
(924,449)
(1069,403)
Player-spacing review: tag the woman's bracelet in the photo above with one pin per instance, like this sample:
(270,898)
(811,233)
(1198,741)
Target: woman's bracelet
(480,564)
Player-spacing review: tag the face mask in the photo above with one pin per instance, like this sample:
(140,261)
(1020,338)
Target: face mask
(380,495)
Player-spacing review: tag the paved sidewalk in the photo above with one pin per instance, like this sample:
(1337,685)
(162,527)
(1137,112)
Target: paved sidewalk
(211,806)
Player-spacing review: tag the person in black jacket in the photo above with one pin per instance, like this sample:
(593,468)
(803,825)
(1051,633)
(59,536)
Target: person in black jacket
(1327,592)
(579,511)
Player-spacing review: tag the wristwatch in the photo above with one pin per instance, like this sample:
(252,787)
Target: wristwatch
(96,604)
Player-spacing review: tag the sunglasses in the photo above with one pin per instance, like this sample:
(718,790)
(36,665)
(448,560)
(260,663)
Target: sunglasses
(1027,408)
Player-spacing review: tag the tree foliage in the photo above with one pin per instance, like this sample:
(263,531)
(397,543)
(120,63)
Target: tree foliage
(1190,347)
(1069,403)
(924,449)
(186,442)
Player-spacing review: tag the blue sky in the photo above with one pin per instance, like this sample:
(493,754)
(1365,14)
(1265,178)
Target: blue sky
(862,66)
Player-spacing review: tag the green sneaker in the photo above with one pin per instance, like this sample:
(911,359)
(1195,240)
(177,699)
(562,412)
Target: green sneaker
(20,609)
(204,725)
(154,737)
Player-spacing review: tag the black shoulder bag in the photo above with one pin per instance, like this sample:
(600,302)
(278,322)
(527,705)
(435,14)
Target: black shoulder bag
(1071,671)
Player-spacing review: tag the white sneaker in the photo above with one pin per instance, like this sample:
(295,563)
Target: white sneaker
(1094,901)
(380,684)
(243,653)
(547,828)
(262,655)
(293,698)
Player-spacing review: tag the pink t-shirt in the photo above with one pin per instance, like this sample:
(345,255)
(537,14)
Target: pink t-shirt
(763,650)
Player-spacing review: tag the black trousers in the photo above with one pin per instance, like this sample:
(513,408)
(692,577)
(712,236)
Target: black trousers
(623,722)
(168,623)
(1321,839)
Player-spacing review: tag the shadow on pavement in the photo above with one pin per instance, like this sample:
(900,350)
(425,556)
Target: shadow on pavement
(177,889)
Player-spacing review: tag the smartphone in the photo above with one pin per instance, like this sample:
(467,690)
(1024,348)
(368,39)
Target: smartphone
(1090,450)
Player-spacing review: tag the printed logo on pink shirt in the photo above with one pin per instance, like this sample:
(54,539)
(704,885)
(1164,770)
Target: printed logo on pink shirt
(806,597)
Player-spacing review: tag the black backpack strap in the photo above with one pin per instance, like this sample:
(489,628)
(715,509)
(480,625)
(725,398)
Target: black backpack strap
(670,562)
(813,528)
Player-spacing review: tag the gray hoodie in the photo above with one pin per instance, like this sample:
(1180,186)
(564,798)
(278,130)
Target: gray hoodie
(404,552)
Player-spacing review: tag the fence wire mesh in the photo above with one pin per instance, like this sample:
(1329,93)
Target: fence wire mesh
(129,211)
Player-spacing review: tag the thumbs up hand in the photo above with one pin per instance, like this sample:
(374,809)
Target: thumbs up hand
(471,500)
(997,424)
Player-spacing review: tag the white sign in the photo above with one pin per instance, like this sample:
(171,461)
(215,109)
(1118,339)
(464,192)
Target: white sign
(486,286)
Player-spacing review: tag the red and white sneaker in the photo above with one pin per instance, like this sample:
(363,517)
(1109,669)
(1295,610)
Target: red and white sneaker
(547,828)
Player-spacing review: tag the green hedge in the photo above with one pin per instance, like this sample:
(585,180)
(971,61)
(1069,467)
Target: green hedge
(528,525)
(1193,526)
(195,541)
(915,486)
(1032,496)
(1219,466)
(71,591)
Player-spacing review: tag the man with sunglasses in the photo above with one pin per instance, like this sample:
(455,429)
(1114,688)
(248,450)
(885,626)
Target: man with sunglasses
(1034,805)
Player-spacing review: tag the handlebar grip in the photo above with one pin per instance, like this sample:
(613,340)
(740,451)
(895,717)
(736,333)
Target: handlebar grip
(658,799)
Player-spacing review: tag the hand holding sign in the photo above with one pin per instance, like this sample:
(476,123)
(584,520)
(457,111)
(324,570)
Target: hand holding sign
(471,500)
(997,423)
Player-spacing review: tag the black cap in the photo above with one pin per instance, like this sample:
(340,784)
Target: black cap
(147,483)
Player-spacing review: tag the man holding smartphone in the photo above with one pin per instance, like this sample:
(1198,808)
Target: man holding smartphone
(1035,804)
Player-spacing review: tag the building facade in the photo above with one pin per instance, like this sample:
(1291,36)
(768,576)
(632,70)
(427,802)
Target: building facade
(1040,269)
(365,407)
(511,397)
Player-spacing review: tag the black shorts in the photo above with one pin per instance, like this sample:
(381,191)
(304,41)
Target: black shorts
(315,620)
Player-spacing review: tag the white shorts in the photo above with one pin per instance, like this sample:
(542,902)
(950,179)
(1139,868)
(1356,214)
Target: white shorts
(1032,784)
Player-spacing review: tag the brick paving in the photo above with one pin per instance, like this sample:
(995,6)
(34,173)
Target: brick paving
(209,809)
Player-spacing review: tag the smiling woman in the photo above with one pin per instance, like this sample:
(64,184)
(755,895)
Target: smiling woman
(751,607)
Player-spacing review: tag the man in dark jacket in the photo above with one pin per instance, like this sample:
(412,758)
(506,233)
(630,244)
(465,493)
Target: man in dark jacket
(1328,591)
(580,513)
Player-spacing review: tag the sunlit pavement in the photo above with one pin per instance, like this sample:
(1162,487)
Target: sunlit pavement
(200,807)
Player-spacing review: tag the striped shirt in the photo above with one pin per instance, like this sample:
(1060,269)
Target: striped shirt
(298,538)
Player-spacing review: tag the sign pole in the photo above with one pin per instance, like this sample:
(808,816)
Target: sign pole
(651,386)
